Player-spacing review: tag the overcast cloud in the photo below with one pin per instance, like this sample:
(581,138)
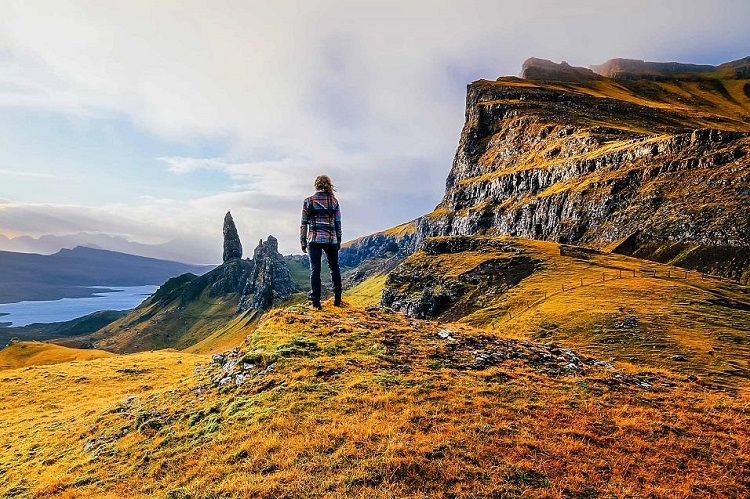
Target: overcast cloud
(274,93)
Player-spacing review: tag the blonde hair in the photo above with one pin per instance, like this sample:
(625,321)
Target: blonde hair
(323,183)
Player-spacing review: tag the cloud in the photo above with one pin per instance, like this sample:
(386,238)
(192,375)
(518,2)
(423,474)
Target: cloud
(19,173)
(371,93)
(178,165)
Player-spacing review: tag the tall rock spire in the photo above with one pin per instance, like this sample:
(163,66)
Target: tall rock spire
(232,244)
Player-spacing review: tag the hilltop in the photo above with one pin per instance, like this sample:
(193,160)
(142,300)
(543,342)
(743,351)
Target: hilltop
(370,404)
(32,353)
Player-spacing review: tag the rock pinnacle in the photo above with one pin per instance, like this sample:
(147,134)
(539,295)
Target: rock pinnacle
(232,244)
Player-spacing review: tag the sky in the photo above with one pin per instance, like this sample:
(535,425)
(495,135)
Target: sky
(149,120)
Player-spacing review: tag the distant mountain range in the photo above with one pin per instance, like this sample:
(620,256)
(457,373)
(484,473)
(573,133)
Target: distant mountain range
(71,273)
(181,251)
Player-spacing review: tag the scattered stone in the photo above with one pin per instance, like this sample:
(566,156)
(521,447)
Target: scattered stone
(240,378)
(606,365)
(225,380)
(267,369)
(446,334)
(217,358)
(627,323)
(679,358)
(247,367)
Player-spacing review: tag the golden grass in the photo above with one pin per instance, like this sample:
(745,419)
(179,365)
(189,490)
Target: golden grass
(697,102)
(368,292)
(364,403)
(614,306)
(34,353)
(172,326)
(228,336)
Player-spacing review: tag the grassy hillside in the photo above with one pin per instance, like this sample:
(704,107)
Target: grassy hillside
(607,305)
(33,353)
(76,327)
(155,325)
(365,403)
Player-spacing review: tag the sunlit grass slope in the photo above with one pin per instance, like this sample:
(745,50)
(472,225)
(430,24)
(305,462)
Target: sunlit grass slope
(32,353)
(172,325)
(360,402)
(608,305)
(49,417)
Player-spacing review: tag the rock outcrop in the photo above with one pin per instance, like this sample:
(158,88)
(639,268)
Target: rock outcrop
(270,280)
(629,69)
(485,268)
(574,157)
(188,308)
(232,244)
(258,283)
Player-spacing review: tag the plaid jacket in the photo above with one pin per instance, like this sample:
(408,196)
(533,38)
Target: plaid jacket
(321,220)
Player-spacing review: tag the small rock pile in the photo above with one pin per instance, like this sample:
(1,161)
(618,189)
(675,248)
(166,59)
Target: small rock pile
(229,368)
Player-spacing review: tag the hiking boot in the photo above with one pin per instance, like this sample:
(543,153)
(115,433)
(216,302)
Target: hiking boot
(316,305)
(337,302)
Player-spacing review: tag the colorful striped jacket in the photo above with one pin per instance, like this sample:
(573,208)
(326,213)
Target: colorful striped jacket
(321,220)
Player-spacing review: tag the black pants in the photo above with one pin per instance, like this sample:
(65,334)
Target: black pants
(315,251)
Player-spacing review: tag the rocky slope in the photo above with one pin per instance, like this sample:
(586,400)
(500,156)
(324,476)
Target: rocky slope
(645,158)
(187,309)
(572,156)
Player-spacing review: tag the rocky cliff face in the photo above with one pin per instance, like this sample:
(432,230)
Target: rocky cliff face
(258,282)
(270,279)
(572,156)
(423,286)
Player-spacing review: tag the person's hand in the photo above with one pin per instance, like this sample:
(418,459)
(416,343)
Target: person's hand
(304,249)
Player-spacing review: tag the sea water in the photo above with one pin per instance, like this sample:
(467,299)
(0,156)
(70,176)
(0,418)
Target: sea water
(30,312)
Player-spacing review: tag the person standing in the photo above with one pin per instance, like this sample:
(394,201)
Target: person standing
(319,232)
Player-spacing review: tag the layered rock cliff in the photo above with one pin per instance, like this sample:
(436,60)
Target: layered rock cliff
(572,156)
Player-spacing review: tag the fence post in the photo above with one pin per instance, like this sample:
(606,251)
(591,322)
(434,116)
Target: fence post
(563,288)
(581,281)
(669,274)
(602,276)
(633,272)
